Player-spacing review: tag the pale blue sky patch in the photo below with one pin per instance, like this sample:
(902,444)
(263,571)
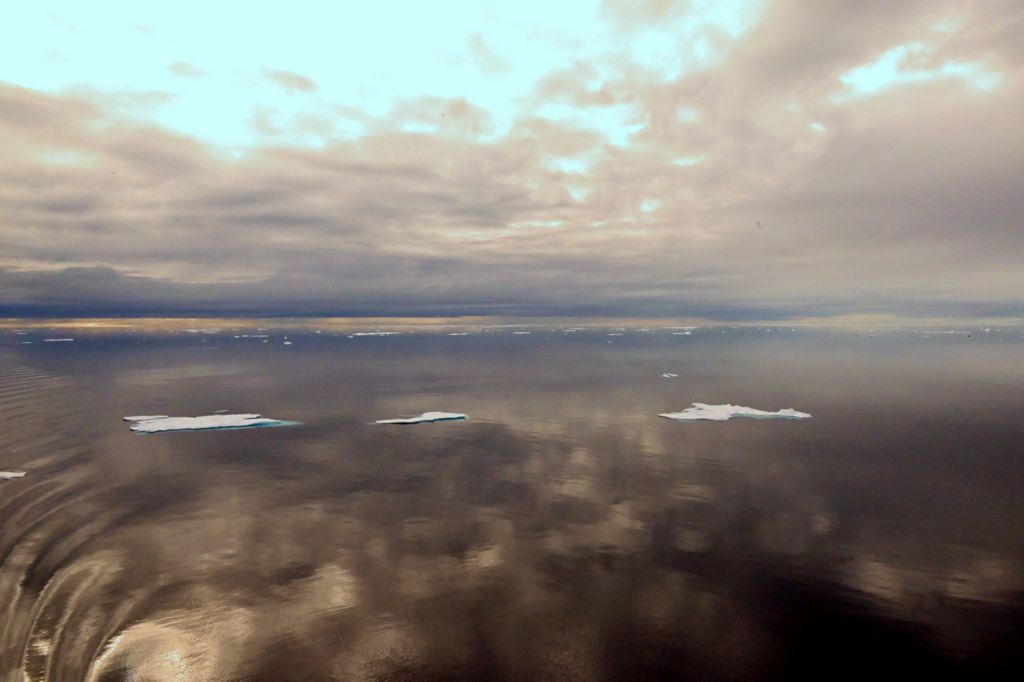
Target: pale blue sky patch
(692,39)
(222,62)
(616,122)
(688,115)
(419,127)
(364,55)
(572,165)
(579,193)
(891,71)
(686,161)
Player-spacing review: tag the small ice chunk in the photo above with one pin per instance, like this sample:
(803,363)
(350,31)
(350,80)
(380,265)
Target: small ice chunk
(144,417)
(669,375)
(286,343)
(57,340)
(8,475)
(721,413)
(520,333)
(458,334)
(375,333)
(160,424)
(686,333)
(425,418)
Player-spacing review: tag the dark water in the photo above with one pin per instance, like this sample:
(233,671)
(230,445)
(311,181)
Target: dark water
(564,532)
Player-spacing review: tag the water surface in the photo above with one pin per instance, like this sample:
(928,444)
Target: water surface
(563,532)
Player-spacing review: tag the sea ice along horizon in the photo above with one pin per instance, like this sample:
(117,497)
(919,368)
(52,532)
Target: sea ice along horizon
(209,422)
(721,413)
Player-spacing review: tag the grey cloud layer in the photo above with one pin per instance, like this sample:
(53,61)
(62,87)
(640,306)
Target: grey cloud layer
(907,202)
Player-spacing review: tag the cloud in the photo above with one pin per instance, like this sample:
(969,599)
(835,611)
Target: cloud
(291,82)
(631,14)
(791,199)
(489,61)
(185,70)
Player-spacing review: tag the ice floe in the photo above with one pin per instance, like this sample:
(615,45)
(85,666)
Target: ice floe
(669,375)
(57,340)
(425,418)
(721,413)
(375,333)
(162,423)
(8,475)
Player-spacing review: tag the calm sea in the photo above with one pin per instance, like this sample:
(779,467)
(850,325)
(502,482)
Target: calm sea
(563,532)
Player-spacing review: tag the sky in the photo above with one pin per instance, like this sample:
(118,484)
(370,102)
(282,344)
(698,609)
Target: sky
(724,160)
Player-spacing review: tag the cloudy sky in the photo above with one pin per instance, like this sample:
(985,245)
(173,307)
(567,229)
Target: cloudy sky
(730,160)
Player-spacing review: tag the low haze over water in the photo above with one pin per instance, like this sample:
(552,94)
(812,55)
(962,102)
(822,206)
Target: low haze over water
(564,531)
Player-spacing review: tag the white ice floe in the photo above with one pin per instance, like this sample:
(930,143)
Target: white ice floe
(424,418)
(686,333)
(375,333)
(520,333)
(57,340)
(162,423)
(669,375)
(8,475)
(458,334)
(721,413)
